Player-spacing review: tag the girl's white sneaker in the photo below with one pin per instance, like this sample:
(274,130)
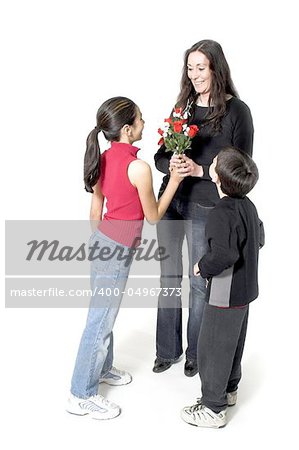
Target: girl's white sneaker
(116,377)
(96,406)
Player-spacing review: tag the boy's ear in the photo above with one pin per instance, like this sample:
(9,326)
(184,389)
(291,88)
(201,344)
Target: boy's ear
(215,178)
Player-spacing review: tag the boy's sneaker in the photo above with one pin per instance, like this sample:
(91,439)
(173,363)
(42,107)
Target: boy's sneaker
(96,406)
(231,398)
(116,377)
(201,416)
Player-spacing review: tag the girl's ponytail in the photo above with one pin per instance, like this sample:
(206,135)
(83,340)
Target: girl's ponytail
(92,160)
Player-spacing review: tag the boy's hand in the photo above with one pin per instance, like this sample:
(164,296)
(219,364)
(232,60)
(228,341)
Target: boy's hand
(196,270)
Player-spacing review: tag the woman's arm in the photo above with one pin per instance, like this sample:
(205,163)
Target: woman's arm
(96,208)
(243,129)
(162,160)
(242,139)
(140,175)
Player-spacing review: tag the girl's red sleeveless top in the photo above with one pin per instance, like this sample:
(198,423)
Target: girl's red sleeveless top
(124,216)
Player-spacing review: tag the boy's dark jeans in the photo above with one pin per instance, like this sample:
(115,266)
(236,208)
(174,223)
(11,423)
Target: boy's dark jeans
(220,349)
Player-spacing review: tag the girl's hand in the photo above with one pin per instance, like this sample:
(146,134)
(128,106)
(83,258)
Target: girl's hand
(176,160)
(177,163)
(175,175)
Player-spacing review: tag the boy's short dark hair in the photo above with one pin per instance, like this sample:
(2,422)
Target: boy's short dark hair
(237,172)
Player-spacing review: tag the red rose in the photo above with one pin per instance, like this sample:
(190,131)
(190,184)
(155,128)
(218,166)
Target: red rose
(160,131)
(169,120)
(193,129)
(178,110)
(161,141)
(178,126)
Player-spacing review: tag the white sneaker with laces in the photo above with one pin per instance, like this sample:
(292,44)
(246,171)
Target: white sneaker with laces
(231,398)
(116,377)
(96,406)
(201,416)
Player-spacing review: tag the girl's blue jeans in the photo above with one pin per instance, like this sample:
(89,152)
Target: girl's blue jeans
(108,281)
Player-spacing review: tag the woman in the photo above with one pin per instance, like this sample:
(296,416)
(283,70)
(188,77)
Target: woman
(223,120)
(126,183)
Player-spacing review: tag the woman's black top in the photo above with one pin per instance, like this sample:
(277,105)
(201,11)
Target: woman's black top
(236,131)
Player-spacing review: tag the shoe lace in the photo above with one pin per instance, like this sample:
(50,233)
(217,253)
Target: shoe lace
(206,414)
(116,371)
(194,408)
(102,400)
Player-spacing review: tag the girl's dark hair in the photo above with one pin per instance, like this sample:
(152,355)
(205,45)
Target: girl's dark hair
(237,172)
(112,115)
(221,84)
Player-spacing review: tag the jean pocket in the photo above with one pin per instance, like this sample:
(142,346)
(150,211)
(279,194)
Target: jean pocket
(105,257)
(93,237)
(204,207)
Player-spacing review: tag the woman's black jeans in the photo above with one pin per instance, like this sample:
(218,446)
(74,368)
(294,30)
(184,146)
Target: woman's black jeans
(182,219)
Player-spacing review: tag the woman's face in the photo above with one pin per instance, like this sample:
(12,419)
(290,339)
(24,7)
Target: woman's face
(198,70)
(137,126)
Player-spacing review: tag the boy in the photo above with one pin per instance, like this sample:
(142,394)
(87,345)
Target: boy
(235,234)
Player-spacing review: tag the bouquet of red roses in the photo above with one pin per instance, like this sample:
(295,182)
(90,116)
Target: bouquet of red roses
(176,134)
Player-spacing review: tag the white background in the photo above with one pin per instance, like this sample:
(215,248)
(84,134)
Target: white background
(60,61)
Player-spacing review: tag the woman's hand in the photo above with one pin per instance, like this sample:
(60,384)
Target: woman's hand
(185,166)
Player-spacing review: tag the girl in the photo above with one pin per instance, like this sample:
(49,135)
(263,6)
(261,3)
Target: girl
(126,183)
